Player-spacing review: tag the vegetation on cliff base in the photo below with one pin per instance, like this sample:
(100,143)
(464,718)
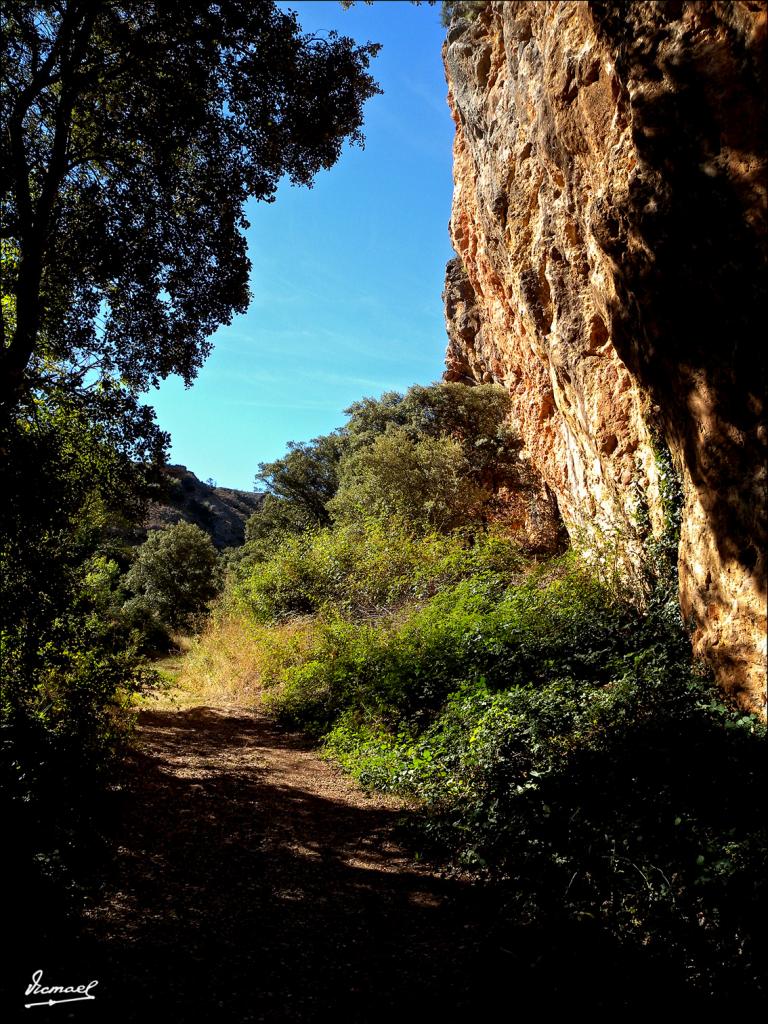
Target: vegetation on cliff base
(435,456)
(547,722)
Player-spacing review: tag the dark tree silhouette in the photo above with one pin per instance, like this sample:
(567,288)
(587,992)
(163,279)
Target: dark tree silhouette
(133,134)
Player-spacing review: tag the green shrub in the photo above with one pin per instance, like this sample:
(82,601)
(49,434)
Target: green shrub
(66,674)
(366,567)
(299,485)
(140,623)
(477,418)
(454,12)
(636,804)
(175,575)
(425,483)
(552,622)
(274,521)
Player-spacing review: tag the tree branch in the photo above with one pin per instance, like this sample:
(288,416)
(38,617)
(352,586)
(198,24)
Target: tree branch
(35,219)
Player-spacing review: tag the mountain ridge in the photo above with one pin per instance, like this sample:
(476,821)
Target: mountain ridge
(221,512)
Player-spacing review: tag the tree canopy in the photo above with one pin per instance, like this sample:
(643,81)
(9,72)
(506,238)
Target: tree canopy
(434,456)
(175,573)
(133,134)
(306,476)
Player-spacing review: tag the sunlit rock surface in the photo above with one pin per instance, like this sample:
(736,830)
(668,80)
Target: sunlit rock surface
(609,220)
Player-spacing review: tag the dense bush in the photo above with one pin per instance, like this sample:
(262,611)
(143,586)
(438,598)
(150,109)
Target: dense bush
(426,483)
(304,480)
(476,417)
(276,519)
(636,804)
(68,673)
(554,621)
(67,487)
(365,568)
(174,576)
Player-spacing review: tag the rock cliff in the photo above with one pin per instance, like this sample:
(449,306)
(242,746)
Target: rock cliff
(609,219)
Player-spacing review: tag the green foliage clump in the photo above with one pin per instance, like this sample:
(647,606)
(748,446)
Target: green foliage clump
(304,480)
(364,568)
(662,550)
(275,520)
(67,489)
(454,12)
(477,417)
(68,670)
(425,483)
(434,457)
(476,626)
(635,803)
(174,576)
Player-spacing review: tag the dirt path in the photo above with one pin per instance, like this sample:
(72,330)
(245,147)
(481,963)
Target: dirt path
(248,880)
(252,881)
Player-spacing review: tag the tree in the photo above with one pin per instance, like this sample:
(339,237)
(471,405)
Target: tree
(133,134)
(456,447)
(175,573)
(477,417)
(426,482)
(306,477)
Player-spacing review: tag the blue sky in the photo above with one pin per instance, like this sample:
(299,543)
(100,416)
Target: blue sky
(347,276)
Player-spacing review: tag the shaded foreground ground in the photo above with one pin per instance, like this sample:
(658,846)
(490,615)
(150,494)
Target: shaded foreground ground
(251,881)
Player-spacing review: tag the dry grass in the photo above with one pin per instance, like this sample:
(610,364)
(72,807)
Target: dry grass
(231,661)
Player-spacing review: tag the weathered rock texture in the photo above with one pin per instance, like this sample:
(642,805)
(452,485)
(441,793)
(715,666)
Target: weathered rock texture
(609,218)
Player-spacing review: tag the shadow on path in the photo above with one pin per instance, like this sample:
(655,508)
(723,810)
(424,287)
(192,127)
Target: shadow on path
(251,881)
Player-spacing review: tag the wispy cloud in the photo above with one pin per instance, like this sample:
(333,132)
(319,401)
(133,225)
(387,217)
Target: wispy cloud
(344,379)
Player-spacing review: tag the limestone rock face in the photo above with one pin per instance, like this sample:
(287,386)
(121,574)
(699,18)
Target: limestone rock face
(609,219)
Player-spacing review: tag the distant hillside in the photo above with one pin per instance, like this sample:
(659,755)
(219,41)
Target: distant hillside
(220,511)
